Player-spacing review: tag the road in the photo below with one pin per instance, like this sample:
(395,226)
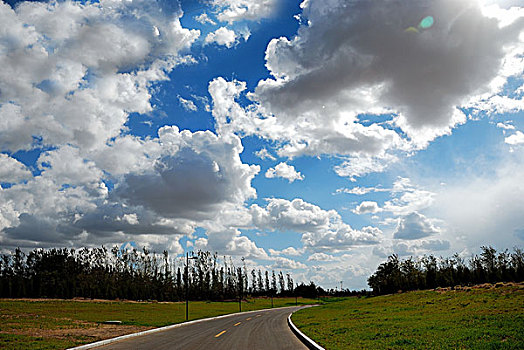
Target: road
(264,329)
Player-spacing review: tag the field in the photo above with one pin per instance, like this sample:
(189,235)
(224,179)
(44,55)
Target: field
(482,317)
(59,324)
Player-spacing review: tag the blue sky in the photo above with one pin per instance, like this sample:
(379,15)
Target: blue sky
(312,136)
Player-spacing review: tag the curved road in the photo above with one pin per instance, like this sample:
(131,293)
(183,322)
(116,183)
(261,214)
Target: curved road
(263,329)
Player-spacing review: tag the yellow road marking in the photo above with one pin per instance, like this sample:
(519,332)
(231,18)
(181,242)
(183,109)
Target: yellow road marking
(236,324)
(219,334)
(247,319)
(259,315)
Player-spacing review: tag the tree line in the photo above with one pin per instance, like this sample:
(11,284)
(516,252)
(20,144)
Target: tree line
(430,272)
(133,274)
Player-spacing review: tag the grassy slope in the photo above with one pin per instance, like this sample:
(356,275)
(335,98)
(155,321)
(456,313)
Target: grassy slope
(456,319)
(58,324)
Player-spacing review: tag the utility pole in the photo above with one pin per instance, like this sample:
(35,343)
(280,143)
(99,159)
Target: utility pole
(187,282)
(341,286)
(240,287)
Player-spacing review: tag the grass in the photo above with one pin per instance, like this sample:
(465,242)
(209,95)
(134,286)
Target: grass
(59,324)
(477,318)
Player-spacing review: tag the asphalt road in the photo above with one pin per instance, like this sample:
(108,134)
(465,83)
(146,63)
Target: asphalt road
(266,329)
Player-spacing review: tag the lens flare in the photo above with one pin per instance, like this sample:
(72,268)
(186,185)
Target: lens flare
(427,22)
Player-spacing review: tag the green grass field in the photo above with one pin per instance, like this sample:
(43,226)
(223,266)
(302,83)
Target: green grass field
(477,318)
(59,324)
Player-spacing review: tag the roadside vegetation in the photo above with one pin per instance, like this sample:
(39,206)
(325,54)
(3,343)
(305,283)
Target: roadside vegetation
(133,274)
(429,272)
(59,324)
(489,316)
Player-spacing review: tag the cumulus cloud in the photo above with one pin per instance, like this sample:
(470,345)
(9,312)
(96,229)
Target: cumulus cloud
(241,10)
(287,264)
(167,195)
(361,165)
(408,198)
(367,207)
(264,154)
(203,18)
(126,154)
(284,171)
(321,229)
(188,105)
(516,139)
(421,247)
(506,126)
(198,173)
(73,73)
(415,226)
(321,257)
(353,59)
(231,242)
(222,36)
(12,171)
(304,135)
(358,56)
(291,251)
(66,166)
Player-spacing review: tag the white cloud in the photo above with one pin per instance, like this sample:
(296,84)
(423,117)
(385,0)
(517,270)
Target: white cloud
(287,264)
(73,73)
(353,58)
(367,207)
(506,126)
(352,269)
(69,202)
(196,175)
(284,171)
(264,154)
(497,104)
(415,226)
(131,219)
(321,257)
(328,62)
(516,139)
(357,190)
(240,10)
(485,209)
(360,166)
(12,171)
(291,251)
(417,248)
(126,154)
(222,36)
(342,238)
(230,242)
(304,135)
(188,105)
(65,165)
(408,198)
(321,229)
(203,18)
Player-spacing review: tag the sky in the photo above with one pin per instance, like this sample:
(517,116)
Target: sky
(315,137)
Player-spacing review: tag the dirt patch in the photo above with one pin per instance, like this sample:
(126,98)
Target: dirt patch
(94,333)
(87,300)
